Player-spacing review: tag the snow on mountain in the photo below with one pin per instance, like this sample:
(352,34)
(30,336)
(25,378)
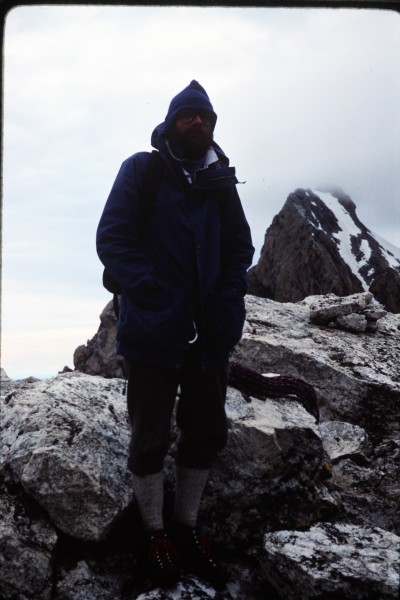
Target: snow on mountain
(390,252)
(317,245)
(350,230)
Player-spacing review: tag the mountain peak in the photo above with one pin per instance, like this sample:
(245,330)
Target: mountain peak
(317,245)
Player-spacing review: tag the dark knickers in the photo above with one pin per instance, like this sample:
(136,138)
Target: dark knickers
(200,414)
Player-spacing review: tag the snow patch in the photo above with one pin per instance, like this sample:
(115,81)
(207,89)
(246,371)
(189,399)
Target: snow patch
(348,230)
(390,252)
(366,251)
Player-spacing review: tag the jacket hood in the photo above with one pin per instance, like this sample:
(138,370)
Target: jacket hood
(193,97)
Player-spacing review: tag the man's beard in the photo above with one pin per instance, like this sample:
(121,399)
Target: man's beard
(195,142)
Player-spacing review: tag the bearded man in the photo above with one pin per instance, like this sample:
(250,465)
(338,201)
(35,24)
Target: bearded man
(183,278)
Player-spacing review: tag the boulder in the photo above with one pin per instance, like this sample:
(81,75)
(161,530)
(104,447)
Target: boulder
(356,375)
(66,441)
(98,356)
(27,548)
(295,509)
(334,560)
(91,585)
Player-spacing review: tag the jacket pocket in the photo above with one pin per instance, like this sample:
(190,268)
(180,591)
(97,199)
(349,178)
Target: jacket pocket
(152,319)
(225,314)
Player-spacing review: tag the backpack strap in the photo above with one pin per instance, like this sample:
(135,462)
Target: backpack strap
(152,177)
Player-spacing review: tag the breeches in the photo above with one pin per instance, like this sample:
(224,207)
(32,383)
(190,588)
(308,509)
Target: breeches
(200,414)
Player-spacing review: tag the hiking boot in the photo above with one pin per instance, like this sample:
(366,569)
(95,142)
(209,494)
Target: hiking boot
(162,560)
(195,552)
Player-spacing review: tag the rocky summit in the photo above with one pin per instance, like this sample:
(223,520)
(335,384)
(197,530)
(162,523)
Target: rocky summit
(317,245)
(296,509)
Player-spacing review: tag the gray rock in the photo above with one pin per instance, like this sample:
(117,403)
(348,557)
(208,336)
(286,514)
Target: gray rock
(354,375)
(98,356)
(338,560)
(325,309)
(82,583)
(3,375)
(269,443)
(6,384)
(66,441)
(374,313)
(341,439)
(27,548)
(189,588)
(354,322)
(356,313)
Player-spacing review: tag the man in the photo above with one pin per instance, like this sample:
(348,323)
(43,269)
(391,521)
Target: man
(183,280)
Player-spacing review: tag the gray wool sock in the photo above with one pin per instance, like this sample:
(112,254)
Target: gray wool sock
(190,485)
(149,492)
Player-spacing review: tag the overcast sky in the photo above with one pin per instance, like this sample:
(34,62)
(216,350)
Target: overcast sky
(304,97)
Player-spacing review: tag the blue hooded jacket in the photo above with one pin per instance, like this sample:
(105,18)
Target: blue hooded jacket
(187,265)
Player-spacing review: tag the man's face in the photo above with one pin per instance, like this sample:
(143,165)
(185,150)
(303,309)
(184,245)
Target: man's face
(194,130)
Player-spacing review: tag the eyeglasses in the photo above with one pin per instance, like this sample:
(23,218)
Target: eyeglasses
(187,116)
